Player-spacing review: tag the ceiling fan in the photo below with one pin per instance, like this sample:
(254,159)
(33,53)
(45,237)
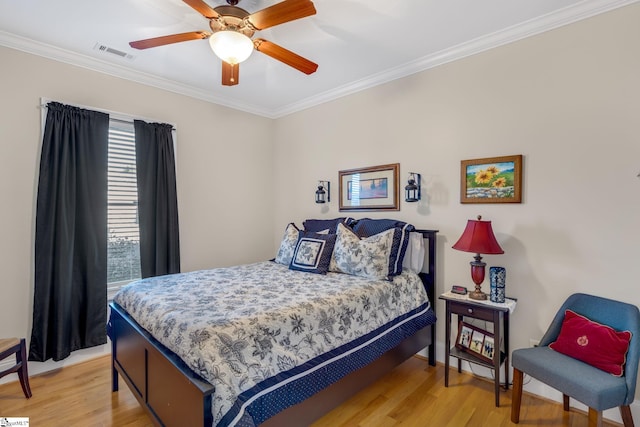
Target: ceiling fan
(232,29)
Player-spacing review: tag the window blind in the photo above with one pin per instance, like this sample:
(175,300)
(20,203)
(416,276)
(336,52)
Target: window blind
(123,251)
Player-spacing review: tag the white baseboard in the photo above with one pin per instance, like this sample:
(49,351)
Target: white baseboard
(533,386)
(42,367)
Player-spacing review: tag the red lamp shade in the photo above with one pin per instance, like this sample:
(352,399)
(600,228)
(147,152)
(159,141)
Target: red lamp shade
(478,238)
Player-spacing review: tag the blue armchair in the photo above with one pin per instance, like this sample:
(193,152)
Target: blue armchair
(595,388)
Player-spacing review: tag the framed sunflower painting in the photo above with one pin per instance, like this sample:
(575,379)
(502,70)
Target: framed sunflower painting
(491,180)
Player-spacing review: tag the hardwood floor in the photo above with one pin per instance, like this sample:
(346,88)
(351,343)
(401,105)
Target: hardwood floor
(412,395)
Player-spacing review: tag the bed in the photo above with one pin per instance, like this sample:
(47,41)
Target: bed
(289,369)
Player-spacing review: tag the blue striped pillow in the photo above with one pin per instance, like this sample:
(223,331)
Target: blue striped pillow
(317,225)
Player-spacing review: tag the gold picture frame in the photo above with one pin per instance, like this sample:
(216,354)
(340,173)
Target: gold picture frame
(374,188)
(491,180)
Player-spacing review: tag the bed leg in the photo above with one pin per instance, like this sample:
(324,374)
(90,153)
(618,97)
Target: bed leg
(432,346)
(114,376)
(114,372)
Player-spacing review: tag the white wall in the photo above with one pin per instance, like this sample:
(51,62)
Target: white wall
(568,100)
(220,200)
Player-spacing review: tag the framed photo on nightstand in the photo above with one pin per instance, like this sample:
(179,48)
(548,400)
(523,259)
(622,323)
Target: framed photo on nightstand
(476,341)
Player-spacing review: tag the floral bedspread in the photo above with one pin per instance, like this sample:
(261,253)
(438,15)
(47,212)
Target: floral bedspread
(240,326)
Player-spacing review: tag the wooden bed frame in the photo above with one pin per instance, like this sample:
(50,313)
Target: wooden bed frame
(173,395)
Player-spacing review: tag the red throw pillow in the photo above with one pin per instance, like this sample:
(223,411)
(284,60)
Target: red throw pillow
(598,345)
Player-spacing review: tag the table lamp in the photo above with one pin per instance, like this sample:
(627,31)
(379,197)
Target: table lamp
(478,238)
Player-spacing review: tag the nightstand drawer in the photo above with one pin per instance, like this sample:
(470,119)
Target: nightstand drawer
(465,309)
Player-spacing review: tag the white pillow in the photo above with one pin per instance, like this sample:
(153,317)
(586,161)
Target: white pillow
(368,257)
(414,256)
(288,244)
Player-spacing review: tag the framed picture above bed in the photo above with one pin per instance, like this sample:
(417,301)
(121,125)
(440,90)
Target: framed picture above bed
(491,180)
(373,188)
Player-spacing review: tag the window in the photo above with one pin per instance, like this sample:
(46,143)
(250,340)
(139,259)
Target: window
(123,232)
(123,240)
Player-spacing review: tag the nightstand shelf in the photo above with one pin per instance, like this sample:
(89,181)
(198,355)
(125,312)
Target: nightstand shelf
(463,355)
(496,314)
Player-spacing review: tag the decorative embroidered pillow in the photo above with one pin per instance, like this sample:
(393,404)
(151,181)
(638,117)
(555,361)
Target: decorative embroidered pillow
(313,252)
(366,227)
(288,244)
(598,345)
(368,257)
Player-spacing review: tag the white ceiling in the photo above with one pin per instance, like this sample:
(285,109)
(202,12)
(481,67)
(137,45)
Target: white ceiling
(357,43)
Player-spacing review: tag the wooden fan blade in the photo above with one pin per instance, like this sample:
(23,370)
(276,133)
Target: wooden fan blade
(286,56)
(230,74)
(174,38)
(202,8)
(279,13)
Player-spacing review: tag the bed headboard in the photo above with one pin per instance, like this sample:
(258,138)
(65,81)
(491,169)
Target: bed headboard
(428,276)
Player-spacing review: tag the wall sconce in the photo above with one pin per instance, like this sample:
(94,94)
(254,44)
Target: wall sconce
(412,190)
(323,196)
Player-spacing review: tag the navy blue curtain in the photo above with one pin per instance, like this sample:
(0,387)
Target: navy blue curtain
(157,199)
(70,297)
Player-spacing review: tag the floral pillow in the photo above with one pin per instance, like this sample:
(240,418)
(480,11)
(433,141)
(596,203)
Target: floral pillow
(288,244)
(368,257)
(313,252)
(366,227)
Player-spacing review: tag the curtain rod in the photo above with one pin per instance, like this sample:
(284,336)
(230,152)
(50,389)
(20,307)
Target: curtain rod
(111,114)
(129,122)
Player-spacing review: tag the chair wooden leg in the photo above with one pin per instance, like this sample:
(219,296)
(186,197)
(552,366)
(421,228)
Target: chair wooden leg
(23,372)
(565,402)
(516,396)
(595,418)
(627,418)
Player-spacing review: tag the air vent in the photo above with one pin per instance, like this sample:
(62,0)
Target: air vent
(111,51)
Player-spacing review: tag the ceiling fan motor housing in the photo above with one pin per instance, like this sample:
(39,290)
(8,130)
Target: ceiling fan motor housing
(231,18)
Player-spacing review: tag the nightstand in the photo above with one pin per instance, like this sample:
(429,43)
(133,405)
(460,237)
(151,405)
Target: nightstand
(495,313)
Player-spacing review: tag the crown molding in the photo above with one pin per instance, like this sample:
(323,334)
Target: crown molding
(562,17)
(73,58)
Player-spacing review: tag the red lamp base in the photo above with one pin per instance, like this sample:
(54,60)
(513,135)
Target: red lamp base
(477,275)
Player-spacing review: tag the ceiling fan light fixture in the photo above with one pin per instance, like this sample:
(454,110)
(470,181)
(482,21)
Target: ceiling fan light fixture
(231,46)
